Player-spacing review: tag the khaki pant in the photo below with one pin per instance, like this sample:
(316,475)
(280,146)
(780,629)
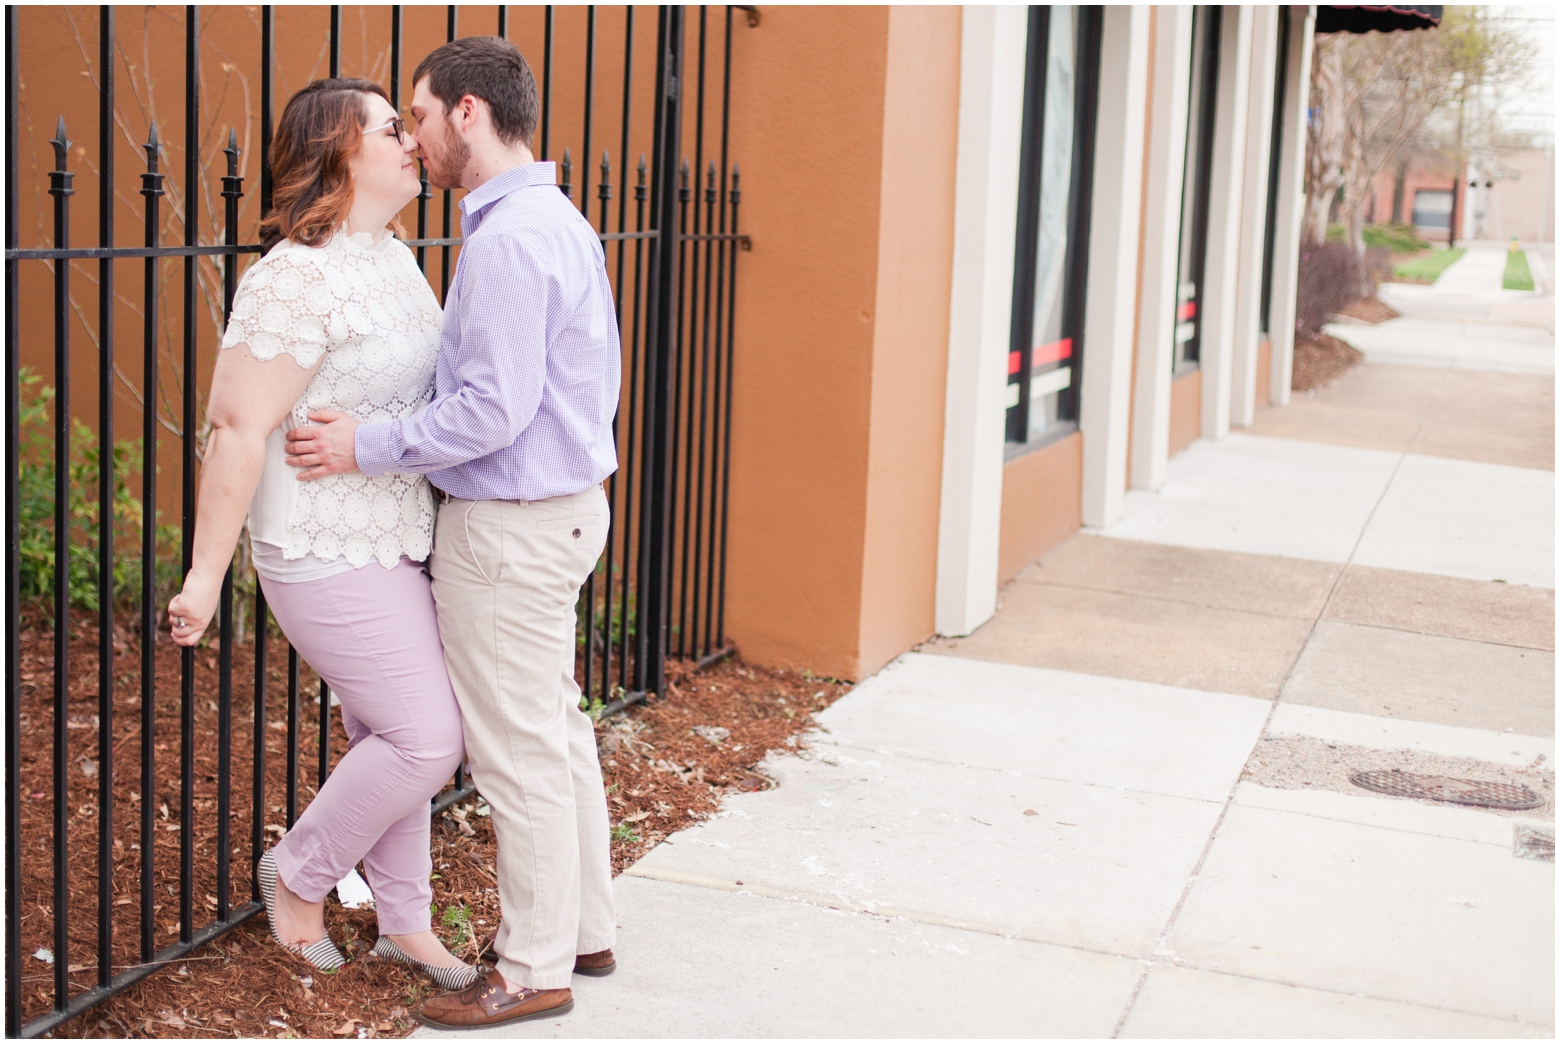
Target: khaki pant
(506,575)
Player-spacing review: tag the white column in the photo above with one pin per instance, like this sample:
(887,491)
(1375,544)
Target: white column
(1253,237)
(1161,245)
(1110,302)
(1221,269)
(991,104)
(1291,200)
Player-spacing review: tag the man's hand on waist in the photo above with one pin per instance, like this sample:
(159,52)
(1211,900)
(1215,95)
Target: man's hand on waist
(327,447)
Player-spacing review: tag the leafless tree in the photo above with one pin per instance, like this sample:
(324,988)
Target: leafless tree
(1373,93)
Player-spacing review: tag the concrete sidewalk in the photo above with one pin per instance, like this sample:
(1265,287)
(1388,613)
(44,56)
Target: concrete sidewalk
(1121,808)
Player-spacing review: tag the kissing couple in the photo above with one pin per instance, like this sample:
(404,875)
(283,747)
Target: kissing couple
(423,496)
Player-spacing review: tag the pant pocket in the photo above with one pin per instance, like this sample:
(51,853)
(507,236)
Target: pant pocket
(477,534)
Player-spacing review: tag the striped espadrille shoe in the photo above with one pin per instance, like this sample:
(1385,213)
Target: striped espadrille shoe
(445,978)
(323,954)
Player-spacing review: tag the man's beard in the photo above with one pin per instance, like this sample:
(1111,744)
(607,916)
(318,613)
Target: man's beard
(447,163)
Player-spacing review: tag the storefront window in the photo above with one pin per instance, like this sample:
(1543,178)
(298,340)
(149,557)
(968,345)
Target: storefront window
(1051,246)
(1203,100)
(1275,154)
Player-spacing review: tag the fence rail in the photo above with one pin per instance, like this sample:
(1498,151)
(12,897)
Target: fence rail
(659,589)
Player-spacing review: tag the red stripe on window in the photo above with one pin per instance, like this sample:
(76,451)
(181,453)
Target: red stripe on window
(1015,362)
(1188,310)
(1050,353)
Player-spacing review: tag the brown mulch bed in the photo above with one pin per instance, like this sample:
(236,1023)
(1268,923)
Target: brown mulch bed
(1370,310)
(667,763)
(1321,359)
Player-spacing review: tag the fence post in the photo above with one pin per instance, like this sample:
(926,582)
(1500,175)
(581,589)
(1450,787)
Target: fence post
(653,606)
(151,188)
(60,188)
(106,466)
(232,192)
(189,379)
(13,565)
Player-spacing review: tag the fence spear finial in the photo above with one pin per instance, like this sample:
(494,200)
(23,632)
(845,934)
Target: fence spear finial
(61,145)
(153,149)
(232,184)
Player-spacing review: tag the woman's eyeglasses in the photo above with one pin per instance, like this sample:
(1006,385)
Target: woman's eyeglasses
(396,126)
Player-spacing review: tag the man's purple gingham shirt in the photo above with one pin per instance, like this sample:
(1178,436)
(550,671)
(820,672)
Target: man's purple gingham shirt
(529,360)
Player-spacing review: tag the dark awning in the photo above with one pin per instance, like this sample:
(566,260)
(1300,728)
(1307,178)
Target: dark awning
(1364,18)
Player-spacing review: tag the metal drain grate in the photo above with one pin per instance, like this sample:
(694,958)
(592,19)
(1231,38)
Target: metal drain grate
(1534,843)
(1478,792)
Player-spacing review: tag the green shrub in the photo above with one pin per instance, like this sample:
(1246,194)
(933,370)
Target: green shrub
(1400,239)
(36,502)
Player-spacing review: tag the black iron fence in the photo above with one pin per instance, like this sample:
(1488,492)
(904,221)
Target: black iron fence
(669,226)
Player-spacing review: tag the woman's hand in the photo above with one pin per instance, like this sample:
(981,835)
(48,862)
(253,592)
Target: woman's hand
(190,612)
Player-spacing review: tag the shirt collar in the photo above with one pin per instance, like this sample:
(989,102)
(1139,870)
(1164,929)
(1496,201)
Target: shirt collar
(527,175)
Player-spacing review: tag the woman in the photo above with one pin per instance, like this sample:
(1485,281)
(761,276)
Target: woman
(337,316)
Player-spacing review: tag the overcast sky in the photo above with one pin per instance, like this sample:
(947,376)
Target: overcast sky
(1533,110)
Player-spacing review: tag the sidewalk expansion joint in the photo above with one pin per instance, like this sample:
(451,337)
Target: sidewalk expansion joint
(1014,773)
(1229,800)
(1502,845)
(1176,601)
(882,911)
(1448,637)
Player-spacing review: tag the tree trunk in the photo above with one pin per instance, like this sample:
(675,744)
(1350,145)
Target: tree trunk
(1356,190)
(1399,189)
(1325,136)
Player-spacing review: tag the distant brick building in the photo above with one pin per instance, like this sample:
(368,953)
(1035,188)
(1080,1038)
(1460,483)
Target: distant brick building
(1505,194)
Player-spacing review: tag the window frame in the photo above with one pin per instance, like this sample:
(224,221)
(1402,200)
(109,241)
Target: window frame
(1203,113)
(1027,231)
(1275,155)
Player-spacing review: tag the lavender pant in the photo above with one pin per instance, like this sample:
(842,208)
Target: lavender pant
(373,635)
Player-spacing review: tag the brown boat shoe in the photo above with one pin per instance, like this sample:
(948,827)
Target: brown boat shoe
(487,1003)
(599,963)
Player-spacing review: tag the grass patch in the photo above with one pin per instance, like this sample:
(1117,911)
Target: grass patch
(1400,239)
(1518,275)
(1427,267)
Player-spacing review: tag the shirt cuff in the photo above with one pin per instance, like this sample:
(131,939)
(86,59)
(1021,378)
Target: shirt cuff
(376,447)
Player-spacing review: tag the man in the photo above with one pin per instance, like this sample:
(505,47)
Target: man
(517,440)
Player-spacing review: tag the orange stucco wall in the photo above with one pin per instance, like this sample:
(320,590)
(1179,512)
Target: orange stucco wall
(841,332)
(1185,410)
(1264,371)
(910,344)
(802,374)
(1042,503)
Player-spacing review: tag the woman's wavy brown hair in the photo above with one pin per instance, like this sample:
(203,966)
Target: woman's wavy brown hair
(311,186)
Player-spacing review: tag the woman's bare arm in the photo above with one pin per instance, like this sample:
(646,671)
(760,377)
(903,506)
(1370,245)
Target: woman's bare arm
(249,398)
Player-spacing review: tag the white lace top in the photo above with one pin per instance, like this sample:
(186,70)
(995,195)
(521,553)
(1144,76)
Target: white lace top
(369,311)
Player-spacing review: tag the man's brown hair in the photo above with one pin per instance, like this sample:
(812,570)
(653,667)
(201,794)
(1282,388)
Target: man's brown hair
(489,68)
